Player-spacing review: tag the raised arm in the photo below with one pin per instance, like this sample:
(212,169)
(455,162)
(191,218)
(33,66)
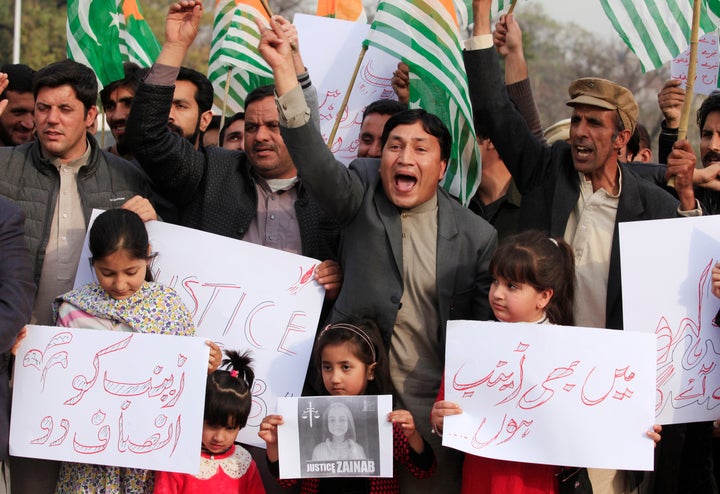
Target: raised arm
(173,163)
(338,190)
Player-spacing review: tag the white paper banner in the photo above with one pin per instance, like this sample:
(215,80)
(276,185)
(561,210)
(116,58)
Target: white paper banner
(706,68)
(109,398)
(555,395)
(330,50)
(666,292)
(244,297)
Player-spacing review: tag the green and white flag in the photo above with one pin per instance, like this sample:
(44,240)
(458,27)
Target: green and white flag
(424,34)
(103,34)
(463,9)
(659,30)
(234,45)
(137,41)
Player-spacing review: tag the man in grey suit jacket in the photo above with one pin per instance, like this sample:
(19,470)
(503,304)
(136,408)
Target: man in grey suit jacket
(413,257)
(17,292)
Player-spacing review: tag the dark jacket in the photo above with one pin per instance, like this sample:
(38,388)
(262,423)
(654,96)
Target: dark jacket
(372,240)
(213,188)
(17,292)
(548,175)
(32,182)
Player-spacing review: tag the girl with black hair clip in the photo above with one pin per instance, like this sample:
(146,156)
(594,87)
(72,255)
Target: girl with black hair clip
(225,466)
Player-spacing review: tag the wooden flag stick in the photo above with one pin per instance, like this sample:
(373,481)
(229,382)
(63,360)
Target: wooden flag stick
(267,8)
(347,97)
(690,84)
(228,78)
(687,104)
(512,7)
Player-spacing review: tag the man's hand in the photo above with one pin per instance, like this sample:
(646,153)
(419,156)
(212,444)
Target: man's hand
(330,275)
(708,177)
(401,82)
(142,207)
(277,51)
(681,164)
(670,100)
(507,36)
(507,39)
(182,22)
(4,81)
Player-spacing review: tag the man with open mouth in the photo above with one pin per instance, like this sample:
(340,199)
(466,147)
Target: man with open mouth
(412,255)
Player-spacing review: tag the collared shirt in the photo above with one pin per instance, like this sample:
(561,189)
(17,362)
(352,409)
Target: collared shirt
(589,231)
(416,354)
(275,224)
(67,234)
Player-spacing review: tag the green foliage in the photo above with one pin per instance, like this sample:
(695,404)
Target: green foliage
(42,38)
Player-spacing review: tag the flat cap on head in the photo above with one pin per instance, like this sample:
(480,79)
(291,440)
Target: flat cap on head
(605,94)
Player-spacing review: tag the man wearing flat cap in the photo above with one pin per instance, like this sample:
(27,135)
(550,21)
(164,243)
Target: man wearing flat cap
(578,190)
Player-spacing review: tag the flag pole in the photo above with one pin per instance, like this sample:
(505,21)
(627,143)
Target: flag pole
(512,7)
(17,26)
(347,97)
(685,113)
(267,8)
(227,92)
(690,84)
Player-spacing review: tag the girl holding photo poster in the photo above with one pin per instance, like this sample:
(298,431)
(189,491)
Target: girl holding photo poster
(533,277)
(352,361)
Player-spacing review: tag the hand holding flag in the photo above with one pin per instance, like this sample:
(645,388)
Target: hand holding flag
(276,50)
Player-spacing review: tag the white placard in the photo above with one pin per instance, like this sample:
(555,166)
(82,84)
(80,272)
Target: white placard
(244,297)
(555,395)
(109,398)
(303,438)
(330,49)
(706,68)
(666,292)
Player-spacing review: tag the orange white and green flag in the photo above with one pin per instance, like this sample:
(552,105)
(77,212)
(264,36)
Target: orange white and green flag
(103,34)
(349,10)
(234,45)
(424,34)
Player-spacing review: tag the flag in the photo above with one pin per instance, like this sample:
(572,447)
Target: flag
(103,34)
(234,45)
(137,41)
(349,10)
(659,30)
(424,35)
(463,10)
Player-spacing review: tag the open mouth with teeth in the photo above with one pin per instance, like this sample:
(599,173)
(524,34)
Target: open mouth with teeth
(405,183)
(583,151)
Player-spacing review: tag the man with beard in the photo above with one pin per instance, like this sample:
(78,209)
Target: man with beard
(116,98)
(254,195)
(58,180)
(707,178)
(16,122)
(584,191)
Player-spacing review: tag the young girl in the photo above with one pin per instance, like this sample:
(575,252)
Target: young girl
(339,442)
(533,278)
(123,299)
(352,361)
(225,467)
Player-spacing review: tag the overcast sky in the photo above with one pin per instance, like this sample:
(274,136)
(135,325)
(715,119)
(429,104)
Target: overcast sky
(587,13)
